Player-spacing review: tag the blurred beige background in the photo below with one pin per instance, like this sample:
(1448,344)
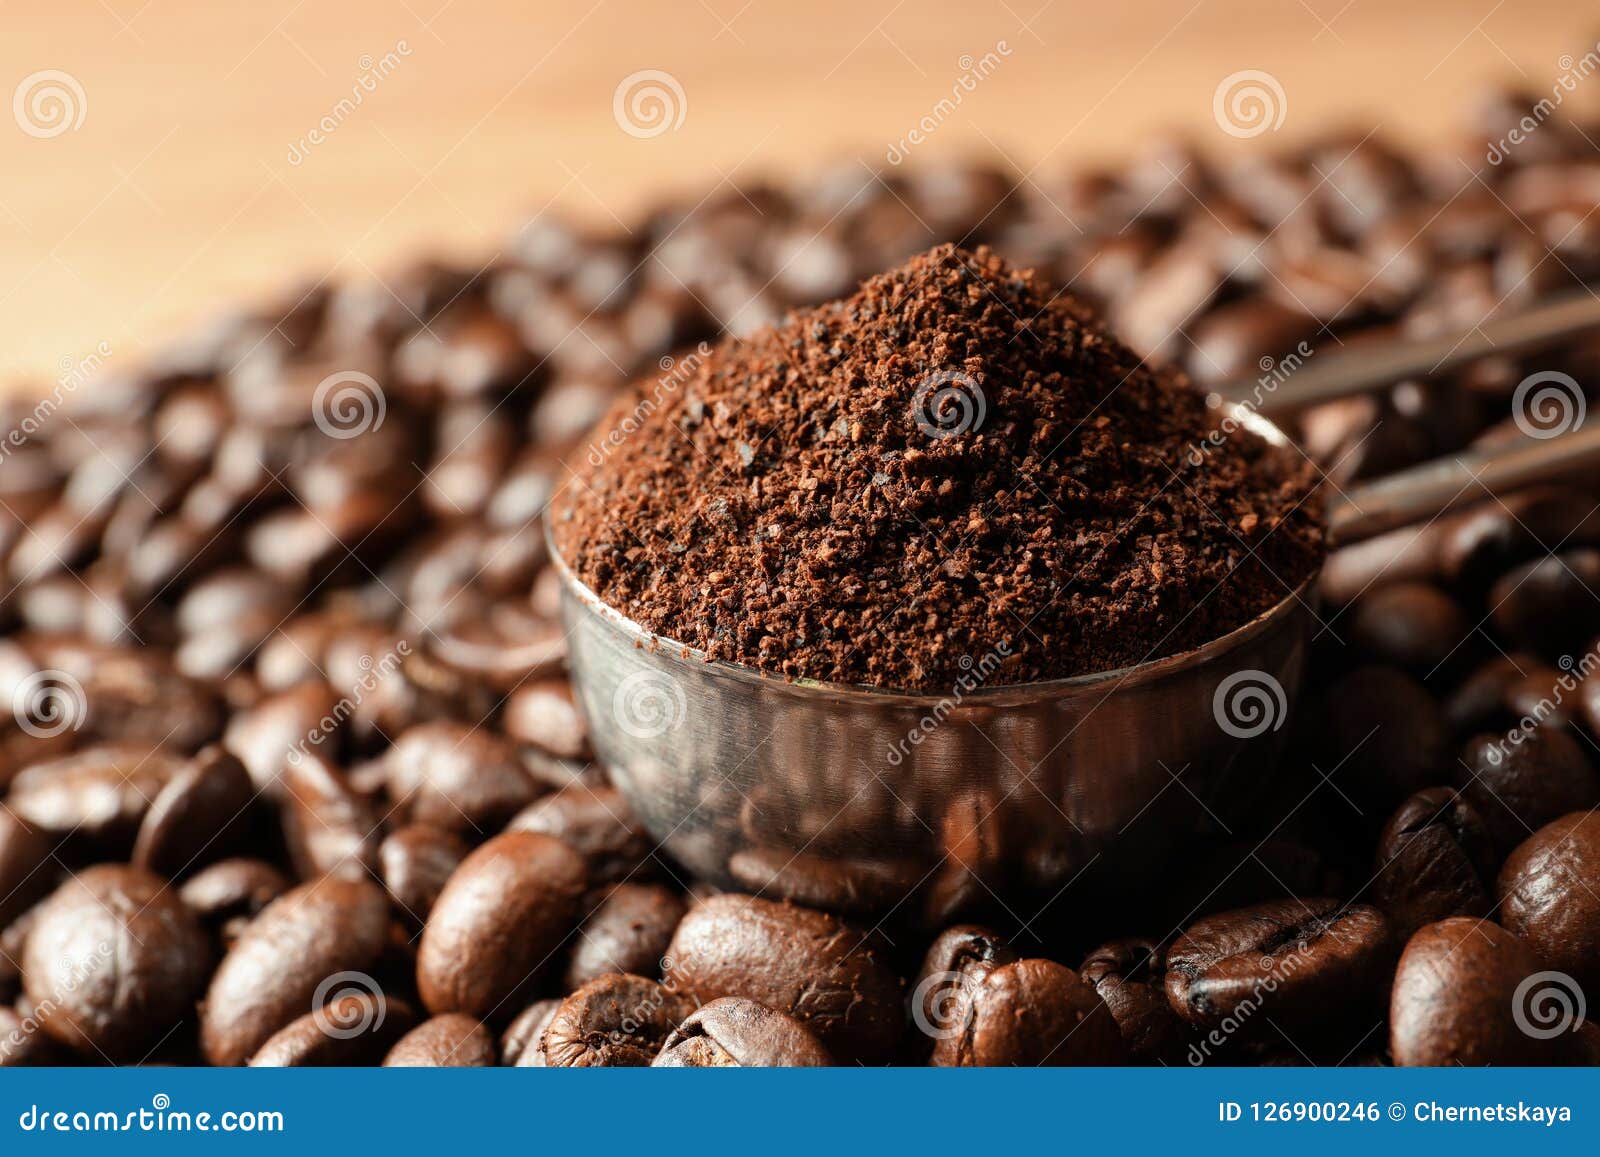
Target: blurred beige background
(184,176)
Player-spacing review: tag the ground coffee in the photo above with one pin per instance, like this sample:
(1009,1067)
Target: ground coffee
(956,461)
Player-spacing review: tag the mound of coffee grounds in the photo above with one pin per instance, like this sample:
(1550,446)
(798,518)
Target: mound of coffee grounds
(955,463)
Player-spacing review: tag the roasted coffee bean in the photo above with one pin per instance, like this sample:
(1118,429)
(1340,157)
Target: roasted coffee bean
(498,924)
(807,964)
(519,1044)
(545,715)
(98,794)
(1130,976)
(353,1028)
(599,823)
(729,1032)
(23,1045)
(1385,737)
(1548,604)
(1435,859)
(1413,626)
(458,778)
(628,931)
(281,725)
(1522,781)
(1034,1013)
(25,874)
(117,958)
(229,893)
(1548,896)
(616,1021)
(1459,999)
(285,958)
(1291,963)
(201,812)
(954,965)
(328,827)
(451,1041)
(415,863)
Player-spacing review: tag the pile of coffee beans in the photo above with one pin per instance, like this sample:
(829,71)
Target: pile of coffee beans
(956,459)
(293,774)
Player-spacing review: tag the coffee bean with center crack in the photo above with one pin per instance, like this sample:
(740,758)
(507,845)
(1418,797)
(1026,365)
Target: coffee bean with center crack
(807,964)
(498,924)
(118,959)
(730,1032)
(451,1041)
(1130,976)
(285,957)
(1461,997)
(952,968)
(1435,859)
(1547,891)
(1034,1012)
(628,931)
(1301,964)
(617,1021)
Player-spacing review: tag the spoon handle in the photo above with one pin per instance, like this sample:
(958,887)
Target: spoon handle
(1436,487)
(1363,367)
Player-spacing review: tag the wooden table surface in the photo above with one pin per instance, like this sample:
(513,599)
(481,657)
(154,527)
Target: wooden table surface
(182,173)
